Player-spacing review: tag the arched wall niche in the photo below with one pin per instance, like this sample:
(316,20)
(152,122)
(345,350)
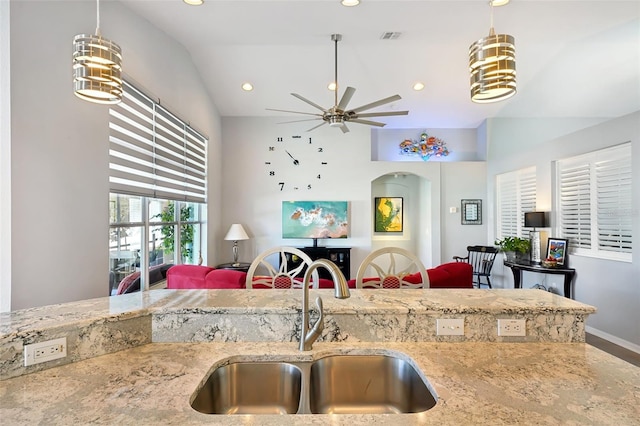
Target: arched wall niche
(418,234)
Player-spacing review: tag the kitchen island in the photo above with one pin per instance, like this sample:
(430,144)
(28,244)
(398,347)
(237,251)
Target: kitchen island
(476,383)
(140,358)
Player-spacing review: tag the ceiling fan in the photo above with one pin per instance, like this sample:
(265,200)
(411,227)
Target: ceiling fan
(338,115)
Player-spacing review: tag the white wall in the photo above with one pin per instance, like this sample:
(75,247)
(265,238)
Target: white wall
(611,286)
(5,160)
(60,143)
(464,180)
(253,198)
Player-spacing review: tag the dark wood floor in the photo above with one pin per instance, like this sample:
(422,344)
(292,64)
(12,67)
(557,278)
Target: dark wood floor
(613,349)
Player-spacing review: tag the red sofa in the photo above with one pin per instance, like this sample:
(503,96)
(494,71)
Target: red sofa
(447,275)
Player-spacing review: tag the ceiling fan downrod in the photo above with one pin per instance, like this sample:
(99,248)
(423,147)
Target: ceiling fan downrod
(336,38)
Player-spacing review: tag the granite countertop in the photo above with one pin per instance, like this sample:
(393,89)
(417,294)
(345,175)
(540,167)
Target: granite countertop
(111,324)
(475,382)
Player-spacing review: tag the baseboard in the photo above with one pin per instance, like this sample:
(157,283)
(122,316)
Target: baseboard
(613,339)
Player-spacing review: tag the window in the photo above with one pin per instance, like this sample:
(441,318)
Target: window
(594,202)
(516,195)
(158,188)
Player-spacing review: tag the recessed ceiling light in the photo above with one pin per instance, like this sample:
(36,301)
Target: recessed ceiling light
(350,2)
(331,86)
(418,86)
(247,87)
(498,2)
(193,2)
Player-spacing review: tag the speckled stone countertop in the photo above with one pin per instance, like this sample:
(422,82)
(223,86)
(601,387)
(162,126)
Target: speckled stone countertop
(477,383)
(111,324)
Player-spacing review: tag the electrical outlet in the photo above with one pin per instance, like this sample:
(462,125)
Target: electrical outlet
(450,326)
(512,327)
(45,351)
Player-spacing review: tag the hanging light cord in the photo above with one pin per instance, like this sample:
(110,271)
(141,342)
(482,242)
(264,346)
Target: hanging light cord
(491,30)
(98,17)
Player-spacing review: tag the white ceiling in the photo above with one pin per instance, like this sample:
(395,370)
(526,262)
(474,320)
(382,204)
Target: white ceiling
(574,58)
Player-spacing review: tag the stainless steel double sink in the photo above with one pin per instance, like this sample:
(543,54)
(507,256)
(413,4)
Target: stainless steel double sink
(336,384)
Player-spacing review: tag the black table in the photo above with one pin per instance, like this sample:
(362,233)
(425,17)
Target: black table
(519,266)
(240,266)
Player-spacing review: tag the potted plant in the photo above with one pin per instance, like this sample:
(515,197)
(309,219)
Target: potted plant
(514,247)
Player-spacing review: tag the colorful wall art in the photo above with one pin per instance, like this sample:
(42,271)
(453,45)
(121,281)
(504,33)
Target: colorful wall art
(388,214)
(425,148)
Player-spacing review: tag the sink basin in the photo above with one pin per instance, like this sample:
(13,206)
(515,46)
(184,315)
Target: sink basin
(337,384)
(368,384)
(251,388)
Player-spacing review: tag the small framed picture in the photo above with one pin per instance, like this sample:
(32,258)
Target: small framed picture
(471,212)
(388,214)
(557,249)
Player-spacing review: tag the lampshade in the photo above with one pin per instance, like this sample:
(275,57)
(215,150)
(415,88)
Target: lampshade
(492,64)
(236,233)
(97,67)
(535,220)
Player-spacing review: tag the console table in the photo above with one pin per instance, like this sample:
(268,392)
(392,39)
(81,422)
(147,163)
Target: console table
(341,256)
(519,266)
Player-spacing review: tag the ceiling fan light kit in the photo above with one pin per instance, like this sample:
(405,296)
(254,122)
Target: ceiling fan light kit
(492,65)
(338,115)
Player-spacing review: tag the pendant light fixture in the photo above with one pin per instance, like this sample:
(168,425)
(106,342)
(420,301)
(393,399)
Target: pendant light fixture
(97,67)
(492,64)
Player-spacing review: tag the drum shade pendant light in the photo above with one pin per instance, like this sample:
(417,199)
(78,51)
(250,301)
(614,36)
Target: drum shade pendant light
(97,67)
(492,64)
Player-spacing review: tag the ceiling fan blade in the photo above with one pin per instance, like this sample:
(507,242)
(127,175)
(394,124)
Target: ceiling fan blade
(370,123)
(380,114)
(376,103)
(299,121)
(344,128)
(315,127)
(346,97)
(313,104)
(294,112)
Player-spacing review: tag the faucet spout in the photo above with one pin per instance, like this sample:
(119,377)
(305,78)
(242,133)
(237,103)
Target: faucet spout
(310,334)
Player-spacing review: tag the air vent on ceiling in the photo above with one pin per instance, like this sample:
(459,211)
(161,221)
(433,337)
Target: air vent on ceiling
(390,35)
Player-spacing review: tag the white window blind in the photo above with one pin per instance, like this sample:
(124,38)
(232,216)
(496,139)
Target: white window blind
(153,153)
(516,195)
(594,201)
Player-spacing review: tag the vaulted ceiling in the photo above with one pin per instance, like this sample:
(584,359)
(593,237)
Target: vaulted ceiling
(574,58)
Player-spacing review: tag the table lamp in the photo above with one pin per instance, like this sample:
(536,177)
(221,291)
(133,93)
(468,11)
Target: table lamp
(535,220)
(235,234)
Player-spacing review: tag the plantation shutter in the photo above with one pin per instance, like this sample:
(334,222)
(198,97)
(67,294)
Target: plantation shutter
(595,201)
(153,153)
(516,194)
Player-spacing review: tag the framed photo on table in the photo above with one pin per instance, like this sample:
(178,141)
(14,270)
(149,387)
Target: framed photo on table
(557,249)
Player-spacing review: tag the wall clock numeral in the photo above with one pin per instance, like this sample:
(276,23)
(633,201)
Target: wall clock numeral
(267,162)
(296,136)
(281,185)
(272,148)
(272,173)
(309,186)
(324,163)
(318,176)
(320,149)
(279,139)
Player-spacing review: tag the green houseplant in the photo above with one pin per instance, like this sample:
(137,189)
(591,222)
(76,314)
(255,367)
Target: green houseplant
(186,231)
(514,247)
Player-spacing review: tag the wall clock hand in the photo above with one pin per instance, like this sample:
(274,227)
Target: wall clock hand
(295,162)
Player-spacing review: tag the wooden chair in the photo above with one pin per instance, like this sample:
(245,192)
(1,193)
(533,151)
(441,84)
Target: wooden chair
(481,258)
(290,273)
(380,269)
